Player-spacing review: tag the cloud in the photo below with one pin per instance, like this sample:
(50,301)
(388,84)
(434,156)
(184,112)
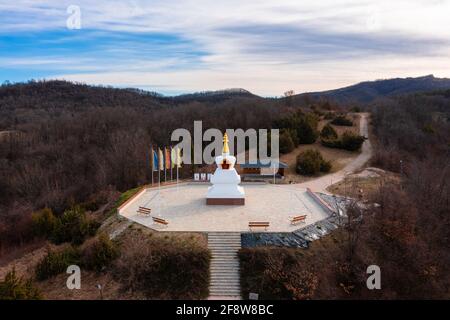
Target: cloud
(264,46)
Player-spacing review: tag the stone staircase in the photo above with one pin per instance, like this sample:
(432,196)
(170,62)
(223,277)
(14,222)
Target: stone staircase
(224,269)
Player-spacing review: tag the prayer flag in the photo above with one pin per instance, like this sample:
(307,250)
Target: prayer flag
(167,159)
(161,159)
(173,156)
(155,160)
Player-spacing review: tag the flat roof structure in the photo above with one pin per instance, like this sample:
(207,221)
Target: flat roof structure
(259,164)
(184,207)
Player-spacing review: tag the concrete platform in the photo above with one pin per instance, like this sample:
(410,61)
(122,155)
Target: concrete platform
(184,207)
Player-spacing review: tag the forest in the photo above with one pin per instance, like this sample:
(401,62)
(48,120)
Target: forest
(407,232)
(64,144)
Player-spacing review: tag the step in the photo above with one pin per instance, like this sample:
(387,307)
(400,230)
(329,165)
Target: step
(234,247)
(219,251)
(225,256)
(224,268)
(214,238)
(227,275)
(223,243)
(228,291)
(225,294)
(224,282)
(224,288)
(224,264)
(219,271)
(223,233)
(233,292)
(219,254)
(219,236)
(221,263)
(234,253)
(224,237)
(224,276)
(228,285)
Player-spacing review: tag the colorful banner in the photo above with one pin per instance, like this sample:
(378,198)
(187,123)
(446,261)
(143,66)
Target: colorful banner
(155,160)
(173,156)
(160,159)
(167,158)
(178,161)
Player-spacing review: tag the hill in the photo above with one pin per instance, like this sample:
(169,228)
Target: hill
(366,92)
(214,96)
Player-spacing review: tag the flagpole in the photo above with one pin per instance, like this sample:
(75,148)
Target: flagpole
(177,162)
(171,165)
(165,164)
(153,162)
(273,174)
(159,188)
(159,172)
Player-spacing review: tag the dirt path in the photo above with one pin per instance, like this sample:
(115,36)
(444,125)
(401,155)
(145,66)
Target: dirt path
(320,184)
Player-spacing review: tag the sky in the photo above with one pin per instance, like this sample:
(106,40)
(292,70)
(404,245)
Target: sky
(264,46)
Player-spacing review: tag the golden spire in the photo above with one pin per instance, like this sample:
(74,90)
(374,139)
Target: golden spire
(225,149)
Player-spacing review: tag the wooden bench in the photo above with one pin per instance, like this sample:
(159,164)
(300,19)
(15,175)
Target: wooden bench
(258,224)
(145,211)
(297,219)
(160,220)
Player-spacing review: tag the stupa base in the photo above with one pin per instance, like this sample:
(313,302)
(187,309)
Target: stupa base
(225,201)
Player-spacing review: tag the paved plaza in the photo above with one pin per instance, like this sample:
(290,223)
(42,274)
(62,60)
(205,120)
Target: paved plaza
(184,207)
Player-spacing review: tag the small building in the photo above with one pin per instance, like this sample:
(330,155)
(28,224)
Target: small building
(262,171)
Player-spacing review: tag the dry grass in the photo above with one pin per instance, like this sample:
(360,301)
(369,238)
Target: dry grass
(339,158)
(341,129)
(200,239)
(352,184)
(290,273)
(25,264)
(163,265)
(56,289)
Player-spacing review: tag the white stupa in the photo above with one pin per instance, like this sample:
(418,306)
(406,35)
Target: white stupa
(225,189)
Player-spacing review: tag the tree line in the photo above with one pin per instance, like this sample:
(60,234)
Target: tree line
(72,142)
